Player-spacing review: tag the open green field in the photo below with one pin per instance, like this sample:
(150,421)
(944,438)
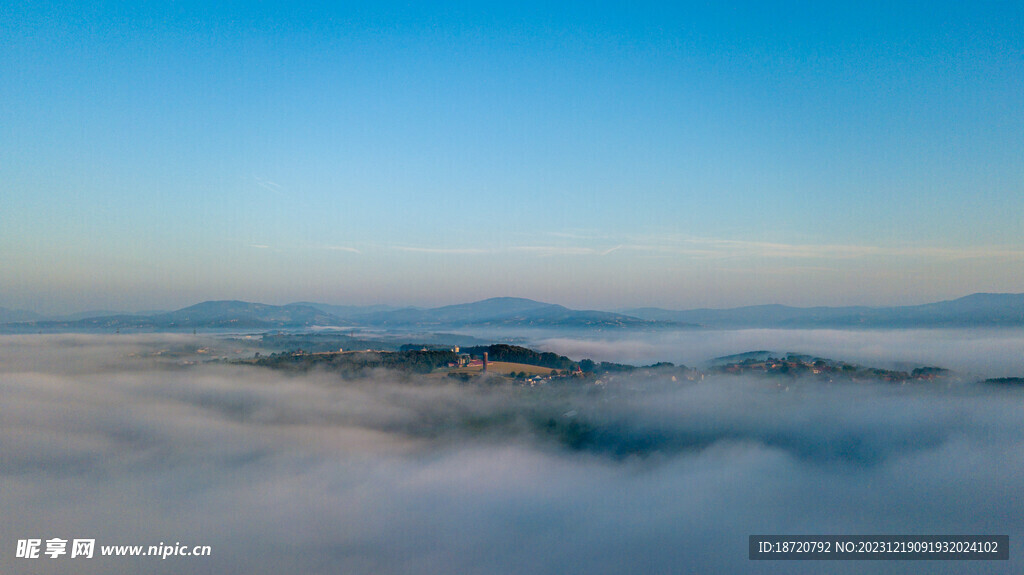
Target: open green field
(504,368)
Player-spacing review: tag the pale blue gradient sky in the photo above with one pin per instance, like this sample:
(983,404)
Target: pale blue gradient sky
(595,155)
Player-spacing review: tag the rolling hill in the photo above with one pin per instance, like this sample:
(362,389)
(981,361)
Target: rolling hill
(976,310)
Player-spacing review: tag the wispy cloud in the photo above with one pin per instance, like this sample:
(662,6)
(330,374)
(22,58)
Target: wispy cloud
(574,234)
(840,251)
(270,186)
(565,250)
(282,192)
(554,250)
(963,253)
(725,247)
(543,251)
(428,250)
(267,184)
(730,248)
(667,245)
(294,248)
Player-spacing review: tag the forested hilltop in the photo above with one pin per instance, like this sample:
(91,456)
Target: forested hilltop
(518,362)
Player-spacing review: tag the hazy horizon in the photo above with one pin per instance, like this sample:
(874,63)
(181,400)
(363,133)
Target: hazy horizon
(616,308)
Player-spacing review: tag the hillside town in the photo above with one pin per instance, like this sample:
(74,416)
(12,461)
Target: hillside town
(524,366)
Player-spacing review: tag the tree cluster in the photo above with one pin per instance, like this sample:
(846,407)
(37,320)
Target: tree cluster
(517,354)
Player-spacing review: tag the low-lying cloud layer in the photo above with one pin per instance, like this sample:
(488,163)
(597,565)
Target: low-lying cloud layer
(981,352)
(112,438)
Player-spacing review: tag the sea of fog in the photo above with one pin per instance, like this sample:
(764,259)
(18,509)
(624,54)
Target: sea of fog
(983,353)
(134,440)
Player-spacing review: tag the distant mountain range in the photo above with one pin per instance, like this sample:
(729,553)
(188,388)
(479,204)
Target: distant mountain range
(501,311)
(510,312)
(977,310)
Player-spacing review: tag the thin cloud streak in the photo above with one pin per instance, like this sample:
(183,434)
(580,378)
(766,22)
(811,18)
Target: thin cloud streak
(453,251)
(348,249)
(272,187)
(718,248)
(546,251)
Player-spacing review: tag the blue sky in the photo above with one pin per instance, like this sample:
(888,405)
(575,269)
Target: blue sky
(595,155)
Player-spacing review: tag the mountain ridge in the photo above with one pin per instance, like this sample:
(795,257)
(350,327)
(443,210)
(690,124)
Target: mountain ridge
(977,310)
(974,310)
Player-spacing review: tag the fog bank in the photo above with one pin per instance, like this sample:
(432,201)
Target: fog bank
(981,352)
(121,440)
